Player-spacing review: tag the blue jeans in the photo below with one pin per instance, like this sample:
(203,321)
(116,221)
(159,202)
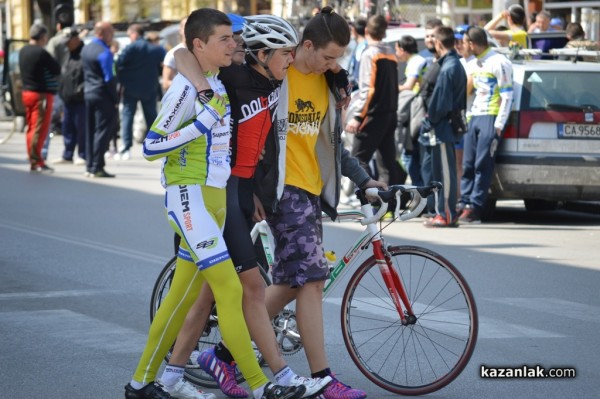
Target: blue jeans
(128,113)
(411,160)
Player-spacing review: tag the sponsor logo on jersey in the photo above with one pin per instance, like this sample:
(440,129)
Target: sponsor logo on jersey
(183,157)
(185,205)
(259,105)
(175,110)
(207,244)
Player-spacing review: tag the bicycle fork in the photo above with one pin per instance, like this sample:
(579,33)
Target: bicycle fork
(394,284)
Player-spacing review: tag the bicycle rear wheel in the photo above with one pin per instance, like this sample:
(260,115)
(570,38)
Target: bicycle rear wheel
(413,359)
(210,337)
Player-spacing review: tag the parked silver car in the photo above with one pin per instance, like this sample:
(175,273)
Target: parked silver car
(550,151)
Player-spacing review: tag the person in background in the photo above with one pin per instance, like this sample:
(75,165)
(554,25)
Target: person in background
(466,55)
(542,23)
(169,69)
(437,135)
(576,36)
(375,119)
(407,52)
(358,27)
(138,69)
(39,74)
(492,80)
(556,24)
(114,135)
(514,17)
(101,99)
(429,52)
(57,48)
(70,89)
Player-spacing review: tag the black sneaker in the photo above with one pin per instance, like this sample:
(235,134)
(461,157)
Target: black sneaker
(150,391)
(102,173)
(280,392)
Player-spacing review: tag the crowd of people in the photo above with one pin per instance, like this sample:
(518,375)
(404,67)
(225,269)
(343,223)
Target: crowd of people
(250,127)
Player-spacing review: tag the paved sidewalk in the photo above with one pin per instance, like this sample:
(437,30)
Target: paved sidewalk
(136,173)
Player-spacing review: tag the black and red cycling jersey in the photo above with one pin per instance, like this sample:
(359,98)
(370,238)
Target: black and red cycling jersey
(254,100)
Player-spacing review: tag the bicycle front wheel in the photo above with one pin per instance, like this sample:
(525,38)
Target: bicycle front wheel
(413,359)
(210,336)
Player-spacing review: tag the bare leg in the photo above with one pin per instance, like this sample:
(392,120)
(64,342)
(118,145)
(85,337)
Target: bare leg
(309,313)
(277,297)
(258,320)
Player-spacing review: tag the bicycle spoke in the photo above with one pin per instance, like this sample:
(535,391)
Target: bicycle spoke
(433,348)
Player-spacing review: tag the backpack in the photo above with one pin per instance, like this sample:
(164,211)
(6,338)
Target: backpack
(70,86)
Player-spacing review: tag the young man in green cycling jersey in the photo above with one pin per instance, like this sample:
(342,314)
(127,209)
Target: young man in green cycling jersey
(191,135)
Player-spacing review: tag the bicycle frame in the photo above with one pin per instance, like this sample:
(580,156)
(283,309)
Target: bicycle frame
(371,235)
(441,330)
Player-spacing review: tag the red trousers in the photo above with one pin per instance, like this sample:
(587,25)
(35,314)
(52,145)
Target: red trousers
(38,112)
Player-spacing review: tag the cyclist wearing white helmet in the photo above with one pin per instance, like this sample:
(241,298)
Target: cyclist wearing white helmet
(268,33)
(253,90)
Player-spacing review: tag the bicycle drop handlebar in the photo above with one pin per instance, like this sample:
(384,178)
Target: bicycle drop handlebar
(418,203)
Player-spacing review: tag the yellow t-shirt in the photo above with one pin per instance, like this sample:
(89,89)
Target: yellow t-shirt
(520,36)
(308,101)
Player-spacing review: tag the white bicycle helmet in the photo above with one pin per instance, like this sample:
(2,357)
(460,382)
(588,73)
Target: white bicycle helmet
(269,31)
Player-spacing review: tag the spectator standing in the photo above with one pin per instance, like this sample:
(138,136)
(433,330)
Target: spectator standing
(361,44)
(70,89)
(116,129)
(138,69)
(492,80)
(57,48)
(375,119)
(169,68)
(514,17)
(429,52)
(39,73)
(427,87)
(466,55)
(407,52)
(437,135)
(192,134)
(100,94)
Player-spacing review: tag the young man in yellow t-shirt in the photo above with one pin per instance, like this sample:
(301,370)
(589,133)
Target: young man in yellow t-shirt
(306,182)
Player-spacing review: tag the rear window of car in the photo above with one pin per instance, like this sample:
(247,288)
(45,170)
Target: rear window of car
(560,90)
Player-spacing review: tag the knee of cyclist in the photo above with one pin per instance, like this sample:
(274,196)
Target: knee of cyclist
(230,291)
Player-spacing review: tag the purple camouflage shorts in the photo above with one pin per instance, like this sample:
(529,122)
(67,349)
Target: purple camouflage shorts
(298,232)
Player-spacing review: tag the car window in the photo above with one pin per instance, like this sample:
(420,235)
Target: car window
(560,90)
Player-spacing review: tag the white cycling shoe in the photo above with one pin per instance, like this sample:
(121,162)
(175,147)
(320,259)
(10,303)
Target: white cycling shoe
(314,386)
(186,390)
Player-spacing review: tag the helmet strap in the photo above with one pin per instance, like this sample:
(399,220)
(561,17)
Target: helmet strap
(265,64)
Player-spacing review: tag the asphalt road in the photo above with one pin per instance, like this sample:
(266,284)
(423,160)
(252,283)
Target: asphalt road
(79,256)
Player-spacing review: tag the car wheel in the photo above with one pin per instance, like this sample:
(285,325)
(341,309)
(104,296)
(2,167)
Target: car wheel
(536,205)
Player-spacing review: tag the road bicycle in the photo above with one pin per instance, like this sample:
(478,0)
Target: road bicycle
(408,317)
